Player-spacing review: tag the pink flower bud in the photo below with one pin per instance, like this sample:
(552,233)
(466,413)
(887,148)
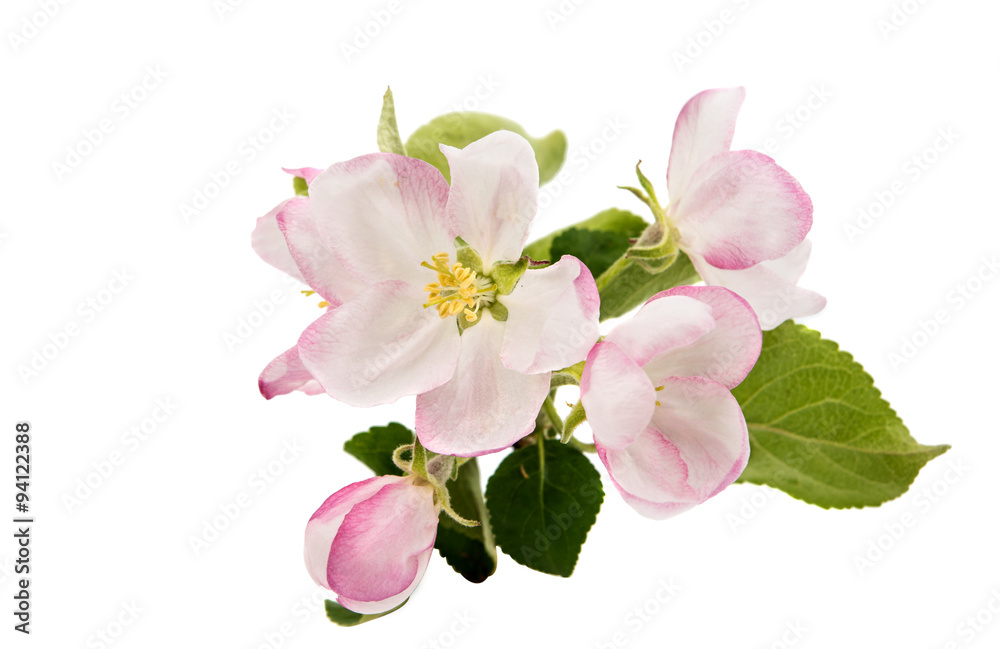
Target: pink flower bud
(370,542)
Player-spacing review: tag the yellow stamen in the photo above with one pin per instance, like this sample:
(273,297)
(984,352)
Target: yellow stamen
(458,289)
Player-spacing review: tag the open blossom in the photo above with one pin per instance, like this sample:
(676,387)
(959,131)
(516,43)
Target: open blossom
(370,542)
(418,277)
(740,217)
(657,395)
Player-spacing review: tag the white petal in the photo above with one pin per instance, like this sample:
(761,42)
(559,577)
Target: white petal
(769,287)
(485,407)
(380,346)
(382,215)
(494,194)
(704,129)
(696,445)
(726,353)
(317,264)
(552,318)
(662,324)
(616,394)
(268,241)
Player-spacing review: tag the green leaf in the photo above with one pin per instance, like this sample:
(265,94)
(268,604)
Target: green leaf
(471,551)
(597,249)
(463,128)
(543,499)
(820,430)
(345,617)
(611,220)
(376,446)
(630,281)
(388,132)
(300,186)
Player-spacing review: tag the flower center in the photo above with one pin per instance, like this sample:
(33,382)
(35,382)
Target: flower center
(659,389)
(458,289)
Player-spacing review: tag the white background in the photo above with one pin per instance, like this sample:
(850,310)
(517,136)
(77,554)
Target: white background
(162,337)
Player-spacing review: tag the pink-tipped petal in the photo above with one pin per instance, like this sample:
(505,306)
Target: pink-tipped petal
(485,407)
(269,243)
(316,262)
(769,287)
(389,603)
(285,374)
(740,209)
(704,129)
(617,395)
(382,547)
(326,521)
(661,325)
(380,346)
(305,173)
(696,445)
(726,353)
(494,194)
(382,215)
(552,318)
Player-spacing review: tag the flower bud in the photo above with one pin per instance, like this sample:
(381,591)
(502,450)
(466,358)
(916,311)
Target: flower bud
(370,542)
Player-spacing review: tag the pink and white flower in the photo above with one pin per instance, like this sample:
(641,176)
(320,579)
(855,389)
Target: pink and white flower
(740,217)
(656,392)
(370,542)
(377,240)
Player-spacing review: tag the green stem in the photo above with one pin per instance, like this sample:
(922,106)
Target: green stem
(582,446)
(550,411)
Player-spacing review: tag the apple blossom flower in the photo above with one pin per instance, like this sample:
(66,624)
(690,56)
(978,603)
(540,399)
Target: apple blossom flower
(370,542)
(740,217)
(428,295)
(656,392)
